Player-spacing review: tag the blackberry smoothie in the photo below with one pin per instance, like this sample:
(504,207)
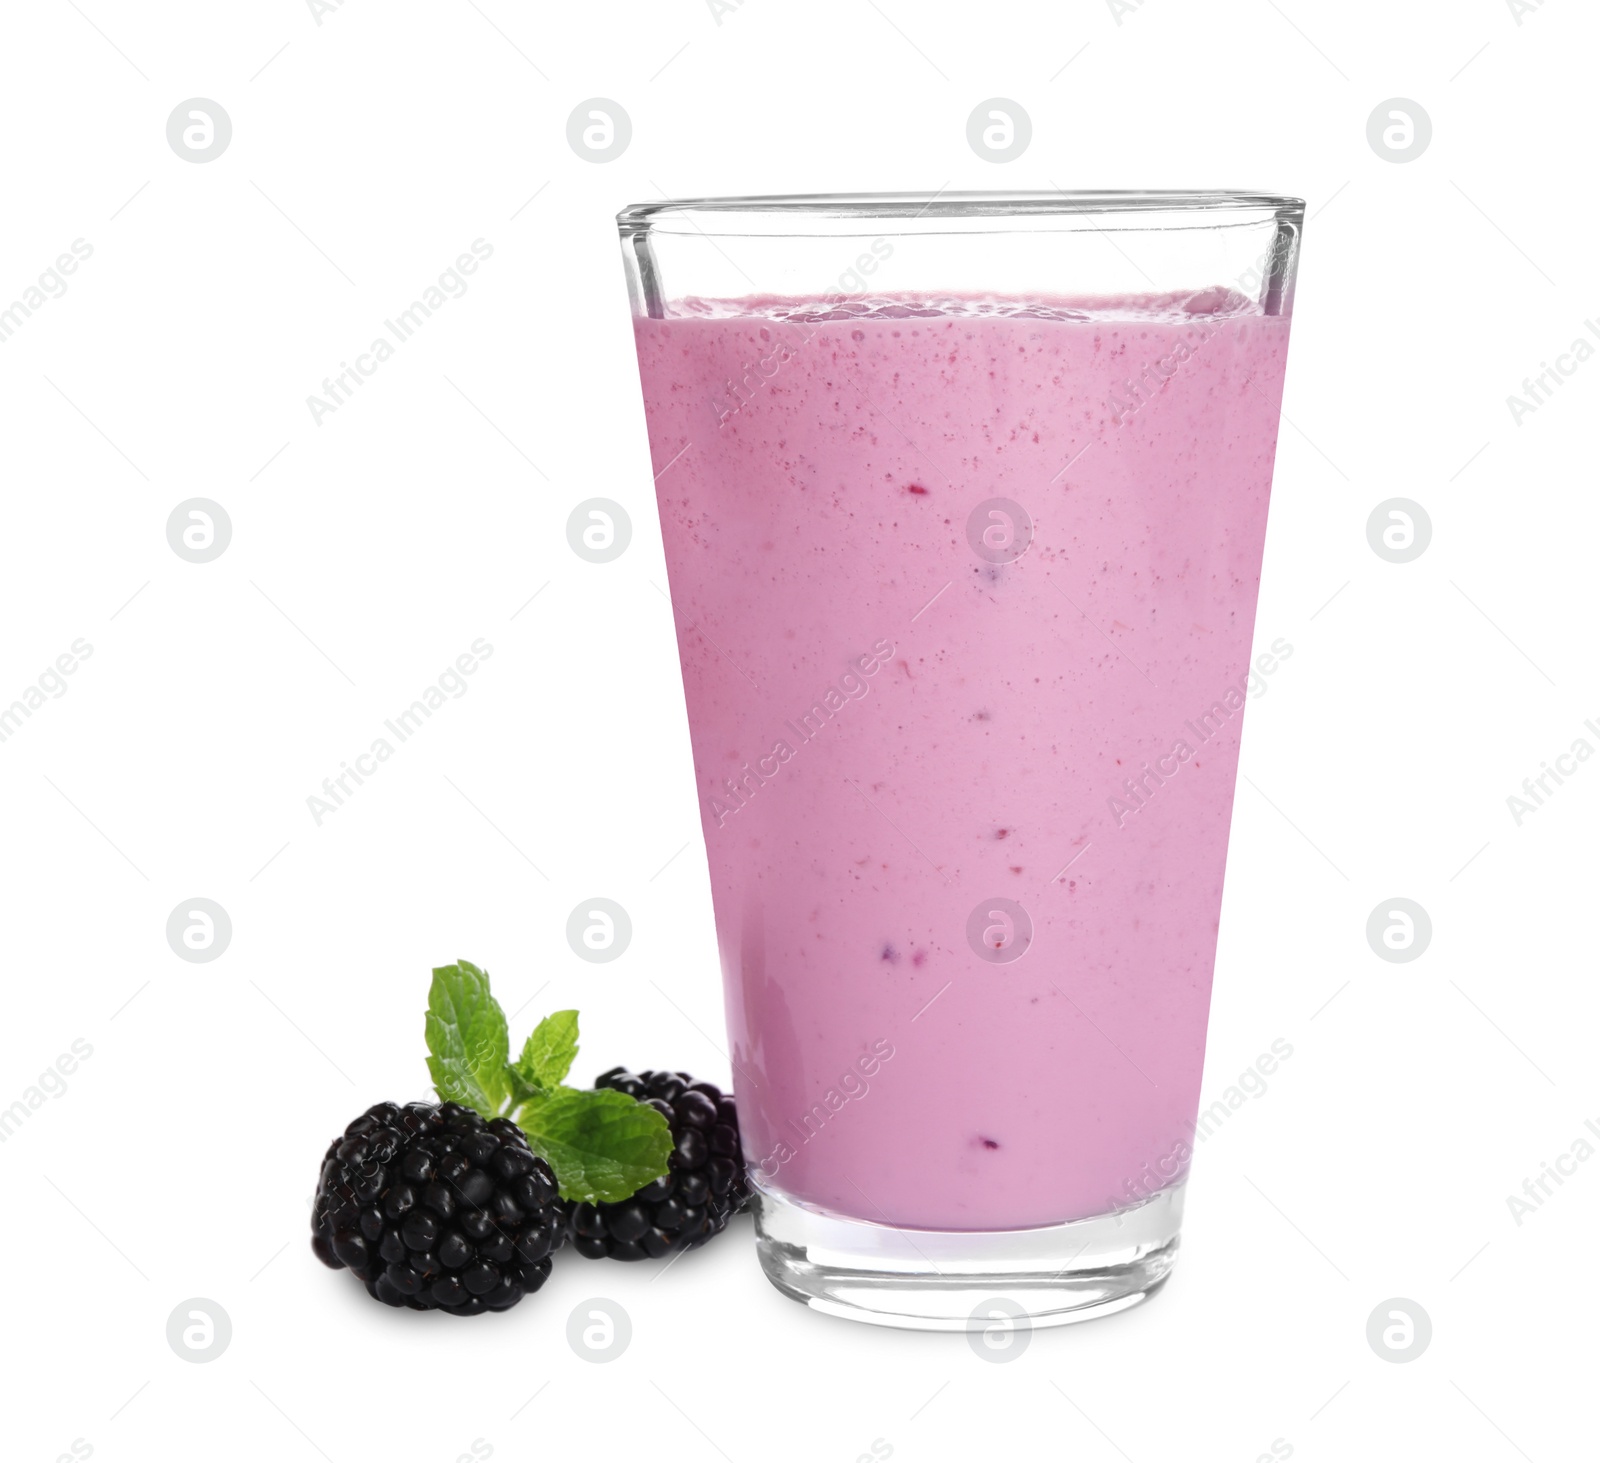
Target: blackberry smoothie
(963,498)
(902,728)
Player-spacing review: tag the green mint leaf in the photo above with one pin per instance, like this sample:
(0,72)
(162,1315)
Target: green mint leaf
(547,1056)
(467,1042)
(602,1144)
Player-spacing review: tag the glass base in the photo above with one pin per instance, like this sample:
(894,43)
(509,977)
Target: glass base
(947,1280)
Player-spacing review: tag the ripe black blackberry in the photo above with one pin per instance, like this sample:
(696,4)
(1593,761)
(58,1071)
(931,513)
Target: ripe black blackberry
(436,1209)
(704,1187)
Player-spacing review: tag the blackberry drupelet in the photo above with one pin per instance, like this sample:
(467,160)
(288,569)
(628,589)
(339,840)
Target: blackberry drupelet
(704,1187)
(436,1209)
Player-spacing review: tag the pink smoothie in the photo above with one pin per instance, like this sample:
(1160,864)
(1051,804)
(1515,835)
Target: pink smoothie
(893,731)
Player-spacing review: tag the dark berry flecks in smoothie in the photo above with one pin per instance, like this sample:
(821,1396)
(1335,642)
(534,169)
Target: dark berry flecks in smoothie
(998,704)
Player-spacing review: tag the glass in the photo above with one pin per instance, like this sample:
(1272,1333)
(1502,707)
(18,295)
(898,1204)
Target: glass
(963,499)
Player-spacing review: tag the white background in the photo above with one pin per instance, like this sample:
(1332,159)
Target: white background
(368,552)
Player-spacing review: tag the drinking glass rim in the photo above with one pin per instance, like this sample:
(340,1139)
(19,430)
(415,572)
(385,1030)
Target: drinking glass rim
(773,214)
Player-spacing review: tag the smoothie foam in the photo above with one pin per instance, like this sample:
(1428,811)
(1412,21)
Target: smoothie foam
(891,730)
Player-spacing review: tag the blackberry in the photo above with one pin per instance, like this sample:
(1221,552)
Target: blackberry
(436,1209)
(702,1190)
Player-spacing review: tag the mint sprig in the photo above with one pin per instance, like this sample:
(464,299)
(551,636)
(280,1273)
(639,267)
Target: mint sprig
(603,1145)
